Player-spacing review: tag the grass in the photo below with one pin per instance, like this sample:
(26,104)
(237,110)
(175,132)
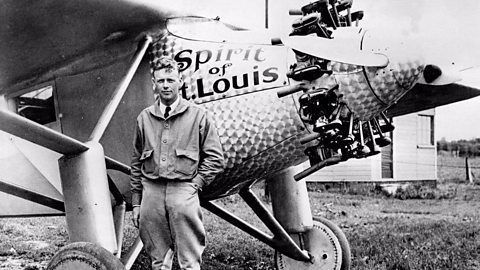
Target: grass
(452,168)
(416,244)
(388,233)
(438,232)
(30,242)
(384,233)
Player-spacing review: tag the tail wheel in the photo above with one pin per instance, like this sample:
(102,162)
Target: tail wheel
(84,256)
(325,242)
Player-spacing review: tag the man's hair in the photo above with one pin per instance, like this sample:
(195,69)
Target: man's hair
(167,63)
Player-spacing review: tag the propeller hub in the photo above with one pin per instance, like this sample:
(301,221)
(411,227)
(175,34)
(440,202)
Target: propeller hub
(431,73)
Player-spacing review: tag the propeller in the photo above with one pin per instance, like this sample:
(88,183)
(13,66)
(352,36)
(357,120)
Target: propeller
(344,49)
(335,50)
(438,67)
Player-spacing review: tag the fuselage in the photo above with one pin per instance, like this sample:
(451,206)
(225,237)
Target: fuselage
(236,82)
(260,132)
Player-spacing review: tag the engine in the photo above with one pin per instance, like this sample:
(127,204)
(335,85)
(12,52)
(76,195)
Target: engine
(343,105)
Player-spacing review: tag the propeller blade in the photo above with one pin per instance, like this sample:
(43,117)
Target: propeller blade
(336,50)
(26,129)
(344,49)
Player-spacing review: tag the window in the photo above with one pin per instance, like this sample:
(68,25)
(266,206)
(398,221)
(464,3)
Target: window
(37,105)
(425,130)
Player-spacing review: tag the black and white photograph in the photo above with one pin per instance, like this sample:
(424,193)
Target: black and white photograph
(250,135)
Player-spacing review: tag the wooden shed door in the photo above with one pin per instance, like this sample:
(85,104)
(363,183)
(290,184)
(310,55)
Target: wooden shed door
(387,159)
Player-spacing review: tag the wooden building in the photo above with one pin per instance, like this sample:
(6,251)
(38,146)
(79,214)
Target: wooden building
(410,157)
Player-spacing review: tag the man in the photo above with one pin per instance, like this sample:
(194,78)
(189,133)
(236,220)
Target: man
(177,151)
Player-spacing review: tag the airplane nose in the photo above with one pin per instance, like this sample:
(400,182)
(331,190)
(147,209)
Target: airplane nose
(395,80)
(370,90)
(356,91)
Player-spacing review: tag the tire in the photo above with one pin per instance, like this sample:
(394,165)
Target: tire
(326,242)
(84,256)
(346,253)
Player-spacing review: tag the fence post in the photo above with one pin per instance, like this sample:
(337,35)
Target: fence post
(469,176)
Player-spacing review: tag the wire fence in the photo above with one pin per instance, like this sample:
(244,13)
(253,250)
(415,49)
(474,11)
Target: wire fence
(438,165)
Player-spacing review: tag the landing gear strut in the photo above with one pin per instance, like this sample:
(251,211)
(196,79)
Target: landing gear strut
(323,246)
(327,245)
(323,240)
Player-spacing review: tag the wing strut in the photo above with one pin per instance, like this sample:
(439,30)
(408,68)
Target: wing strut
(83,171)
(33,196)
(111,107)
(29,130)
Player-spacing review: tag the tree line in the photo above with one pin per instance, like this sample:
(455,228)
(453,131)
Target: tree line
(460,148)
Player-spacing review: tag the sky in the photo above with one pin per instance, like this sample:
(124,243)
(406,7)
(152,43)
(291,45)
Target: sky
(445,30)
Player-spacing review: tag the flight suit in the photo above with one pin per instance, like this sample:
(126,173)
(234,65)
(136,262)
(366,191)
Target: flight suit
(172,159)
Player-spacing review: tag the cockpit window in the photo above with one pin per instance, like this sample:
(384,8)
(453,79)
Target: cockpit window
(37,105)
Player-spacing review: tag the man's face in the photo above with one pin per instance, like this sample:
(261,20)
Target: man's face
(167,84)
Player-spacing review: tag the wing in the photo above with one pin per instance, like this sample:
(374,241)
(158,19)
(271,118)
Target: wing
(46,41)
(423,97)
(40,37)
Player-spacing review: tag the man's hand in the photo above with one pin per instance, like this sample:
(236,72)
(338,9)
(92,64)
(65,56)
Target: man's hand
(136,216)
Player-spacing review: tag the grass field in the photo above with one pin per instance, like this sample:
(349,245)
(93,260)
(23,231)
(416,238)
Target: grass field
(452,168)
(384,232)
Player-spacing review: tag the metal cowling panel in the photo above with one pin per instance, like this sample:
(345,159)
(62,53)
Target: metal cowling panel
(357,92)
(259,133)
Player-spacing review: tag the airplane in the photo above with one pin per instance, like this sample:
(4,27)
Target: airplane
(74,76)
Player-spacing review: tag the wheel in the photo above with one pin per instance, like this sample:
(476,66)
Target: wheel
(84,256)
(325,242)
(342,239)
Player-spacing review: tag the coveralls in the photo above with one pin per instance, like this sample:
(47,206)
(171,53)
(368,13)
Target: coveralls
(172,159)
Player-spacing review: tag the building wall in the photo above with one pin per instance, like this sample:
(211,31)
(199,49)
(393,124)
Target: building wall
(364,169)
(413,159)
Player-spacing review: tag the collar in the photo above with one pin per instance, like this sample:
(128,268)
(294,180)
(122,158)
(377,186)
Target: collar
(180,107)
(172,107)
